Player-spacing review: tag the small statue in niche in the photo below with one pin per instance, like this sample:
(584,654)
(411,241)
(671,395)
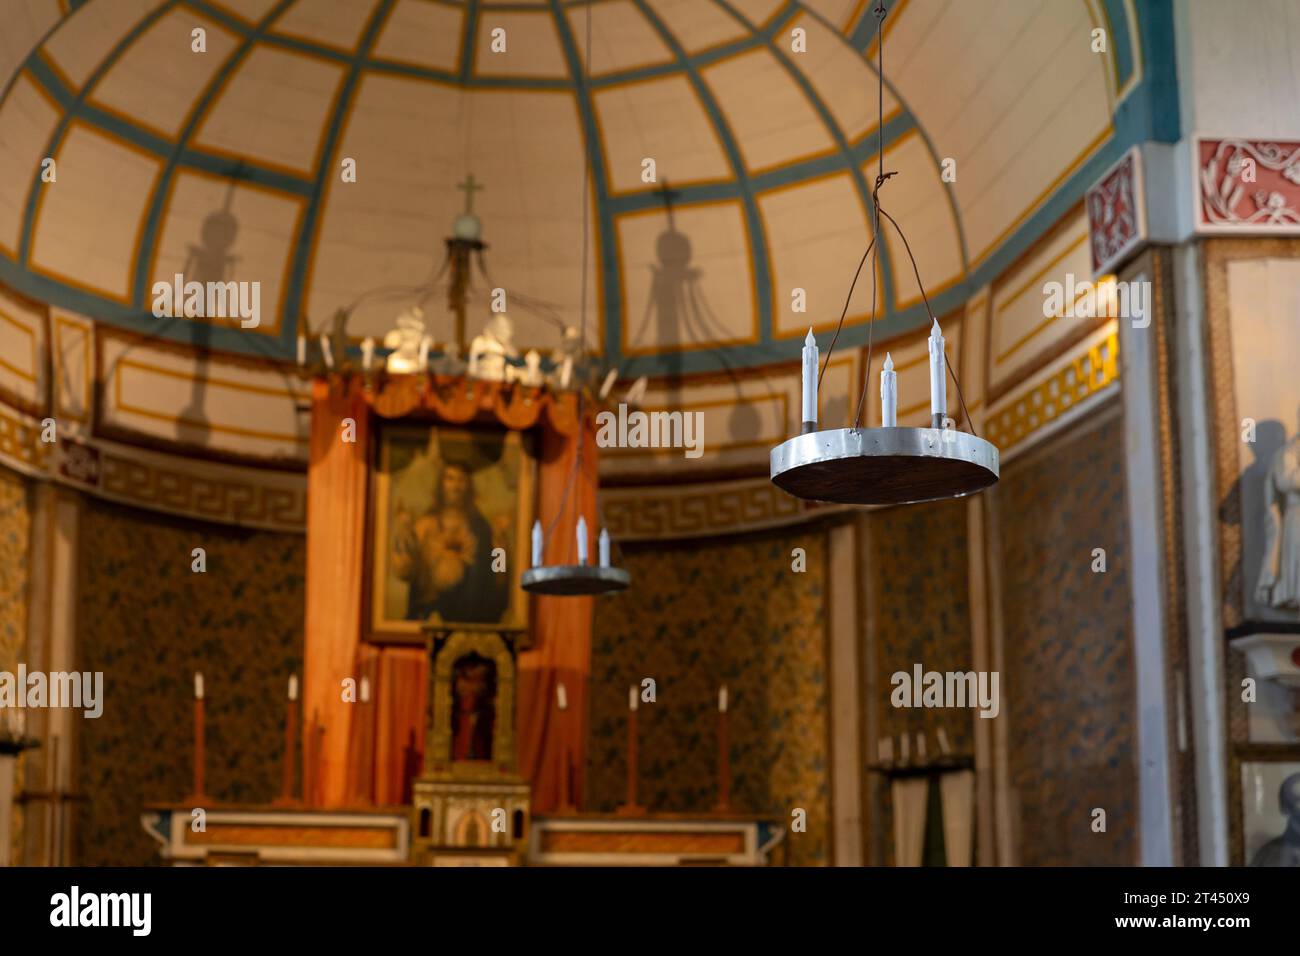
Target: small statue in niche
(408,342)
(1284,850)
(473,712)
(490,349)
(1279,575)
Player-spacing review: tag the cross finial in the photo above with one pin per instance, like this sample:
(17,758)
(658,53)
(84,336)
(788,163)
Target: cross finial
(470,186)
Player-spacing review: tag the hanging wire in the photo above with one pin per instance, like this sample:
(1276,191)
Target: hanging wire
(582,308)
(876,212)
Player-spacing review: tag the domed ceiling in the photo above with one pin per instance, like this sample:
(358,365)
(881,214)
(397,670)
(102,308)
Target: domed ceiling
(762,155)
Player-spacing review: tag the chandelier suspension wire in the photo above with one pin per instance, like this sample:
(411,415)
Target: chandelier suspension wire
(876,212)
(582,300)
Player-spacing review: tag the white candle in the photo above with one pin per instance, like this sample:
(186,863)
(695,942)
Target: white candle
(367,353)
(293,686)
(424,354)
(631,698)
(561,698)
(810,379)
(722,699)
(325,351)
(198,686)
(938,374)
(889,394)
(302,349)
(365,690)
(603,543)
(582,540)
(537,544)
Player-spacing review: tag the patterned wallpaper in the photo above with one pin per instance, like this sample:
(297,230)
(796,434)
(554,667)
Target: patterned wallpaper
(1068,689)
(915,556)
(149,622)
(15,543)
(699,615)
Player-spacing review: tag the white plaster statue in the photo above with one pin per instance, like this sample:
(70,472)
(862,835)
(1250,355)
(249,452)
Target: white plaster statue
(1279,575)
(490,348)
(532,372)
(408,342)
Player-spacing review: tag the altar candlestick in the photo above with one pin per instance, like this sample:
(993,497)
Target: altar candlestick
(938,378)
(631,808)
(326,352)
(200,733)
(290,738)
(367,353)
(582,540)
(302,350)
(603,544)
(810,382)
(537,544)
(724,755)
(889,394)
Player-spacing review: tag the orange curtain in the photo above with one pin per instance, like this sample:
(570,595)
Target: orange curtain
(361,753)
(336,535)
(552,743)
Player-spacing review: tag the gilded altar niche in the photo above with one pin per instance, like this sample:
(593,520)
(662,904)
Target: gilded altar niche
(470,805)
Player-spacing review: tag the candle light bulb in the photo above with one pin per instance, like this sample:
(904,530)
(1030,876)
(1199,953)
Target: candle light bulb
(302,350)
(561,697)
(424,354)
(582,539)
(198,686)
(367,353)
(537,543)
(603,542)
(326,352)
(889,394)
(365,690)
(809,382)
(722,699)
(631,698)
(938,377)
(293,687)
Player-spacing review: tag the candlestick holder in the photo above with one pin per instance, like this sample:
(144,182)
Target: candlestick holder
(572,580)
(884,466)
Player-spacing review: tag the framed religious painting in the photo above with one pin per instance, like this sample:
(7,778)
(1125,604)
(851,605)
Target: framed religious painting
(451,509)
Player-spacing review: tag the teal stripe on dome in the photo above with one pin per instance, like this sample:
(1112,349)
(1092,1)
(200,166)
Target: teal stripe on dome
(760,258)
(612,278)
(307,237)
(72,111)
(181,155)
(1150,112)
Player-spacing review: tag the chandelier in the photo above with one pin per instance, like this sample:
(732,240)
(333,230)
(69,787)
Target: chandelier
(886,465)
